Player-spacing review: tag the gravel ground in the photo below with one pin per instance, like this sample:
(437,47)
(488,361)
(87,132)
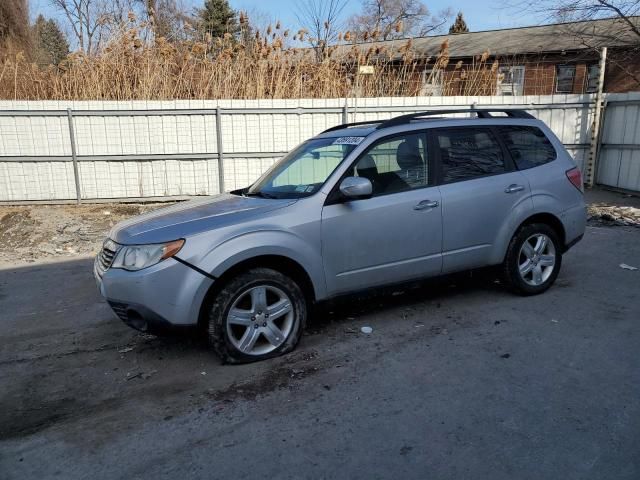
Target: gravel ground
(40,232)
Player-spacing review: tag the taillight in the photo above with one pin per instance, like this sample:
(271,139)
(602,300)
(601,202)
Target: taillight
(575,177)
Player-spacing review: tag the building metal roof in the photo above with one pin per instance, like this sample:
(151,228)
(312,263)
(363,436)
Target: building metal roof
(559,37)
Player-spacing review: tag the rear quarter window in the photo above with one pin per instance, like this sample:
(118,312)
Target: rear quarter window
(528,146)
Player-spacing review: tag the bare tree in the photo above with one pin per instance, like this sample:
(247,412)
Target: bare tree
(623,12)
(88,20)
(14,23)
(580,10)
(391,19)
(321,20)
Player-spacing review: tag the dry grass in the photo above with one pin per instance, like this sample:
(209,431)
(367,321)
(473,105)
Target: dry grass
(130,68)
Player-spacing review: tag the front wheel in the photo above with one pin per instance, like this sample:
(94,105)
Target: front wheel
(533,259)
(257,315)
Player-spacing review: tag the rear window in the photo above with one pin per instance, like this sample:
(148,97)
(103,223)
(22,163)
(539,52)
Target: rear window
(528,146)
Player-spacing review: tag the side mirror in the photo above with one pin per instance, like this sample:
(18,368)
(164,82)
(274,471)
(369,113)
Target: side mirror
(356,187)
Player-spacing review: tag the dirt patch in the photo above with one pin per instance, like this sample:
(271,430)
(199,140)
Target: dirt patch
(38,232)
(297,367)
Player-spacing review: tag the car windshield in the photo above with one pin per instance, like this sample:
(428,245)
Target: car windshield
(304,170)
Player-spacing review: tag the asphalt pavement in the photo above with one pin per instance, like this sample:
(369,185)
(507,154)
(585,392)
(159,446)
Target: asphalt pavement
(459,379)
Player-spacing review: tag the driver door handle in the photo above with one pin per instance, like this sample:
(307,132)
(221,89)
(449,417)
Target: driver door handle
(426,205)
(513,188)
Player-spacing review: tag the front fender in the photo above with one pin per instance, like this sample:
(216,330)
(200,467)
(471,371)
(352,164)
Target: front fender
(267,242)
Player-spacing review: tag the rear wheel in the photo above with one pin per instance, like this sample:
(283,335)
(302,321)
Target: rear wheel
(533,259)
(258,314)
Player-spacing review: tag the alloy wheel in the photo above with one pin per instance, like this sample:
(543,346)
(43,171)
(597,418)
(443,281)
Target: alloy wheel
(537,259)
(260,320)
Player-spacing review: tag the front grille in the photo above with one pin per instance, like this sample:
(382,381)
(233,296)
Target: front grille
(106,256)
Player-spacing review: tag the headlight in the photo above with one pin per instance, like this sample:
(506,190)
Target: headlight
(137,257)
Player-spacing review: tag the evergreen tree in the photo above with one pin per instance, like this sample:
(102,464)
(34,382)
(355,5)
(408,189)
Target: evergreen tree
(51,46)
(459,26)
(218,18)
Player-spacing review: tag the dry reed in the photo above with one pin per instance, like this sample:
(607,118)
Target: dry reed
(259,66)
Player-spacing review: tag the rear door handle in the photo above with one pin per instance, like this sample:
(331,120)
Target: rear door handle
(426,205)
(513,188)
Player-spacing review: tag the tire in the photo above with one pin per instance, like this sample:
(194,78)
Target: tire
(541,262)
(257,314)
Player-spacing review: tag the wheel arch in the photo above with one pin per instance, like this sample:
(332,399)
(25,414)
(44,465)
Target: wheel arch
(280,263)
(541,217)
(548,219)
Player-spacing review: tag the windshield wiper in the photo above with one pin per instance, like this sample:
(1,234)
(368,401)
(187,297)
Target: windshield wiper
(260,194)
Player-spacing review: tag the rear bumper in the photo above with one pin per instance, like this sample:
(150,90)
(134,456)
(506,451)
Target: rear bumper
(156,298)
(574,221)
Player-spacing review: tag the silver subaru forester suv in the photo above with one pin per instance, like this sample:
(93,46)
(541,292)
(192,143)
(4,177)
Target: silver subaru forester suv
(359,206)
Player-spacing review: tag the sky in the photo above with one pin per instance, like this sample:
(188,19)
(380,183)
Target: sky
(479,14)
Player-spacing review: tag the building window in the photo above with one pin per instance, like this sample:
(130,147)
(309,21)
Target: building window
(431,82)
(564,78)
(511,80)
(593,73)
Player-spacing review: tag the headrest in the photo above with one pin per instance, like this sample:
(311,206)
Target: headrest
(408,156)
(366,163)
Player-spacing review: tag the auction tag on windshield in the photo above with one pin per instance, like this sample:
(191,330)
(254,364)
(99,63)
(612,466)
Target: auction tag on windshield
(348,141)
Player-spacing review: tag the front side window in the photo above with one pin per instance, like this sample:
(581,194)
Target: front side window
(564,78)
(528,146)
(396,164)
(467,153)
(305,169)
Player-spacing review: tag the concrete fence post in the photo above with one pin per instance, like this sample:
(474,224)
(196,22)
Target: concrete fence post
(74,155)
(592,161)
(220,149)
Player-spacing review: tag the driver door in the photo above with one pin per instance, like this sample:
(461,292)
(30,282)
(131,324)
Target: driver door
(394,236)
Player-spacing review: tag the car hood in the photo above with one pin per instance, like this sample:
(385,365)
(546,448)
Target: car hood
(192,217)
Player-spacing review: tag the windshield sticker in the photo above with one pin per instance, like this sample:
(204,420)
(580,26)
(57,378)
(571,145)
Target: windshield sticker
(348,141)
(301,188)
(310,188)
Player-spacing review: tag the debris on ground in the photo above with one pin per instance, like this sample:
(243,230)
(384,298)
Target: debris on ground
(624,266)
(125,350)
(142,375)
(35,232)
(614,215)
(366,330)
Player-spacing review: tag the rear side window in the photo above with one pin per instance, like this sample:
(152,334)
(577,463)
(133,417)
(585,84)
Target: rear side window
(528,146)
(467,153)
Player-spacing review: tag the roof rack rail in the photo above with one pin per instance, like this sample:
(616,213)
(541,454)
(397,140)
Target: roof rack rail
(353,124)
(402,119)
(480,112)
